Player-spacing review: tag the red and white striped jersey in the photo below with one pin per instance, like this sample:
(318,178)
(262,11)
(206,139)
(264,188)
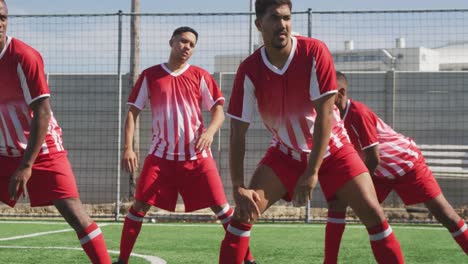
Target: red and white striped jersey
(176,101)
(398,154)
(22,81)
(285,96)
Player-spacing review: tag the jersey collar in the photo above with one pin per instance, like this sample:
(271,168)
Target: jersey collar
(6,47)
(175,74)
(272,67)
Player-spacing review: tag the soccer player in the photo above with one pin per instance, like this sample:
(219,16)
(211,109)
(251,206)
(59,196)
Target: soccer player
(396,163)
(33,160)
(292,82)
(179,159)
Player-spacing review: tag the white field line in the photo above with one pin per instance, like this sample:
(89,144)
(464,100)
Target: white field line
(358,226)
(151,259)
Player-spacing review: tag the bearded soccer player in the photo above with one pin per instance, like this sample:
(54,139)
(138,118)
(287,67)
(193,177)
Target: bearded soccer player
(33,160)
(396,163)
(179,160)
(292,82)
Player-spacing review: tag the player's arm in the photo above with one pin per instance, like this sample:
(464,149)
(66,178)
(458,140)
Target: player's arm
(322,130)
(245,199)
(217,118)
(38,131)
(129,159)
(372,158)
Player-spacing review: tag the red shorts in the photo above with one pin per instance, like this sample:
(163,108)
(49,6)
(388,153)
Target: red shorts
(416,186)
(335,171)
(197,181)
(52,179)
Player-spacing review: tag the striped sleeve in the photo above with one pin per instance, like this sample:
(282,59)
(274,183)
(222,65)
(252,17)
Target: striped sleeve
(30,71)
(210,92)
(139,95)
(242,101)
(364,125)
(322,77)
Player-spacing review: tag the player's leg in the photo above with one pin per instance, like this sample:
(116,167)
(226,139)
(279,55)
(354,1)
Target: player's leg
(336,223)
(131,229)
(224,213)
(337,219)
(54,174)
(236,241)
(153,189)
(360,195)
(420,186)
(89,234)
(445,214)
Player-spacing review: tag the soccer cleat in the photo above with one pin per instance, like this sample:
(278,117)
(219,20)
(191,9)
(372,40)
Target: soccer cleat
(250,262)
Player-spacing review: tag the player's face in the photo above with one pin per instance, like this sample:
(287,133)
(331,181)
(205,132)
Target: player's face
(275,26)
(3,24)
(183,46)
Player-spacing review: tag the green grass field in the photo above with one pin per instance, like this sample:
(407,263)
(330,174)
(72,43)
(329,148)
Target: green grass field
(54,242)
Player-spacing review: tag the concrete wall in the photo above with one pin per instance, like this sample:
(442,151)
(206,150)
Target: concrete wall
(427,106)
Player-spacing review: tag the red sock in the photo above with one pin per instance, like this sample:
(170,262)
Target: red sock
(333,233)
(235,244)
(225,217)
(384,244)
(460,234)
(93,243)
(130,231)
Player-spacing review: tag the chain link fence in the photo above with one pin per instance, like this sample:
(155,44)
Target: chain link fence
(410,67)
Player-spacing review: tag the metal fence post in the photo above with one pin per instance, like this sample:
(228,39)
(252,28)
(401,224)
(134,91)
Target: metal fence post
(309,34)
(119,131)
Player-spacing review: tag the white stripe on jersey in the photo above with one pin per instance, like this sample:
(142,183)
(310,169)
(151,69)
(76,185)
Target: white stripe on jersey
(9,140)
(249,100)
(207,98)
(142,97)
(180,140)
(398,169)
(299,135)
(23,141)
(383,171)
(24,84)
(314,87)
(170,136)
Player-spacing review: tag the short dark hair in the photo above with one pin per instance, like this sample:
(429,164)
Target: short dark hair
(262,5)
(341,77)
(181,30)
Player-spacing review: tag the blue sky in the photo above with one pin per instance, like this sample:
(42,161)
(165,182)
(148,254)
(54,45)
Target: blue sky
(156,6)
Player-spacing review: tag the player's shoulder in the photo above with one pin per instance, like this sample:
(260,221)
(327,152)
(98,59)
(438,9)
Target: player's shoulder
(359,108)
(309,42)
(22,51)
(252,61)
(198,70)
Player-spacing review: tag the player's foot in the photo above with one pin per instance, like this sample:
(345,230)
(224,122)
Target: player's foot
(118,262)
(250,262)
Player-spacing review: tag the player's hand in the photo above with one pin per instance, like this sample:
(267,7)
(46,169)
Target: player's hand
(204,141)
(18,182)
(303,190)
(129,161)
(246,204)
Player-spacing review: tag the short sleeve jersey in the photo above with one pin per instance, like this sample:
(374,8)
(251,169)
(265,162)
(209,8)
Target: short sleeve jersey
(398,154)
(176,101)
(285,97)
(22,82)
